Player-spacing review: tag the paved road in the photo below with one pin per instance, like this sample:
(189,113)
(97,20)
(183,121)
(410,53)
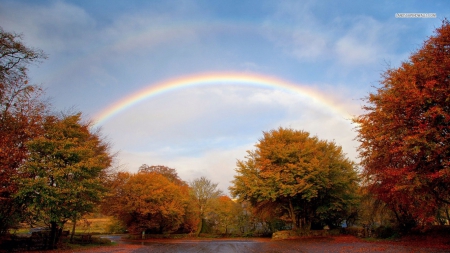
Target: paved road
(314,245)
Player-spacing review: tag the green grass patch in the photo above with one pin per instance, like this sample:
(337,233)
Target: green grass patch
(92,226)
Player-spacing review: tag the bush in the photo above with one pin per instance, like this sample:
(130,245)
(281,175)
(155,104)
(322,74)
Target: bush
(355,231)
(98,240)
(334,231)
(384,232)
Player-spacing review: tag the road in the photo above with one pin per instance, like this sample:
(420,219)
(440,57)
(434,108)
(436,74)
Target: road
(307,245)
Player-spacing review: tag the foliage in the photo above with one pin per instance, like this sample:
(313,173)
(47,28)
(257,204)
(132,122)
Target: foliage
(21,112)
(115,227)
(191,217)
(204,193)
(404,134)
(443,215)
(384,232)
(355,231)
(148,201)
(373,212)
(169,173)
(62,177)
(225,214)
(299,176)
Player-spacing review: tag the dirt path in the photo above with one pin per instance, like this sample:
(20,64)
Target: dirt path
(308,245)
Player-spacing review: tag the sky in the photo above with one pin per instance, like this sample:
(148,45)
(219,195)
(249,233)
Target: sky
(193,85)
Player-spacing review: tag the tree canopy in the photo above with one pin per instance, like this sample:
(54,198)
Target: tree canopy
(310,180)
(149,201)
(405,134)
(165,171)
(63,176)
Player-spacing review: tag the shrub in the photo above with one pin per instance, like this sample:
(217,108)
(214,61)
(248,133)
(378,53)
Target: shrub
(384,232)
(355,231)
(98,240)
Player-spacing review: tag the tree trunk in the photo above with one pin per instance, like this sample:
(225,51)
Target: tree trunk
(293,216)
(200,227)
(73,229)
(53,237)
(448,215)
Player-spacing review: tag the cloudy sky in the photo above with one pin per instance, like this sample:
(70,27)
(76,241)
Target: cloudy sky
(323,55)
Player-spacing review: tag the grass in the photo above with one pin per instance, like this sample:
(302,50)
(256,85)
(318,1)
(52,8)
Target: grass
(92,226)
(84,226)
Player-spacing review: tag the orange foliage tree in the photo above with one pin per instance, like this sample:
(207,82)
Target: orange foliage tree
(191,219)
(149,202)
(405,133)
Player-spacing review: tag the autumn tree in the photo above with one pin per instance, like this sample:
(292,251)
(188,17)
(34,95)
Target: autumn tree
(21,113)
(204,193)
(226,213)
(149,202)
(169,173)
(308,179)
(405,133)
(62,177)
(190,217)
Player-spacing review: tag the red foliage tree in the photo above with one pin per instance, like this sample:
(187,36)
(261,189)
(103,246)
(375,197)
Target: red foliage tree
(405,134)
(21,113)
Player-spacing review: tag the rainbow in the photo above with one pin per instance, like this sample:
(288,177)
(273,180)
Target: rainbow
(216,79)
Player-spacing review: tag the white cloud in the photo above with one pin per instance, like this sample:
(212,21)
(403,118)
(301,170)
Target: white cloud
(300,30)
(308,45)
(363,43)
(294,28)
(304,41)
(58,26)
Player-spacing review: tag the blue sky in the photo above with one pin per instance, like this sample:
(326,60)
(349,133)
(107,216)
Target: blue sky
(101,51)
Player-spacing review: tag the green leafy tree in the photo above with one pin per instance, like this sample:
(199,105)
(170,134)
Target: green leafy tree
(308,179)
(62,177)
(405,134)
(21,113)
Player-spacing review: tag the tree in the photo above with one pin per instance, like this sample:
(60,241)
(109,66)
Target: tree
(190,218)
(62,177)
(405,134)
(149,202)
(308,179)
(167,172)
(204,192)
(21,113)
(15,56)
(226,213)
